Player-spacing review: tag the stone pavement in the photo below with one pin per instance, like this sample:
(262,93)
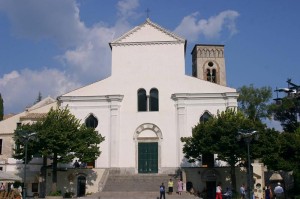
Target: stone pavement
(137,195)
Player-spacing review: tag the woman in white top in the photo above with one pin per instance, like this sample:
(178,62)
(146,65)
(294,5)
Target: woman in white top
(219,191)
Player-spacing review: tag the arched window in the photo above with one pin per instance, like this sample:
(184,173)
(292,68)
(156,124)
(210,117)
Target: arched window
(154,100)
(211,72)
(205,117)
(91,121)
(142,100)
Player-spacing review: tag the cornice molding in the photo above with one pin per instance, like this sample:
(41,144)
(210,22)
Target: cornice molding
(197,96)
(147,43)
(102,98)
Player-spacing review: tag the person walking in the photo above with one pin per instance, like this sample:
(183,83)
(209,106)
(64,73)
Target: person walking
(278,191)
(179,186)
(268,192)
(162,191)
(2,187)
(219,191)
(243,191)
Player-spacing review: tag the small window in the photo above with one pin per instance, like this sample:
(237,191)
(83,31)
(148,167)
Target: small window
(142,100)
(91,121)
(205,117)
(154,99)
(19,124)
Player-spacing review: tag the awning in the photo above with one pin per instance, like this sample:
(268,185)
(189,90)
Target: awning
(275,177)
(7,176)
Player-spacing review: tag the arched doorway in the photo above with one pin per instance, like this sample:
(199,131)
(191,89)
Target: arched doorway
(210,177)
(81,185)
(147,139)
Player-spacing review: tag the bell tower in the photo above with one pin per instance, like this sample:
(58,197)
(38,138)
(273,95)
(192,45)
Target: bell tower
(209,63)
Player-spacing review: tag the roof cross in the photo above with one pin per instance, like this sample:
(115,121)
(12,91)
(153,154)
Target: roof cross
(147,12)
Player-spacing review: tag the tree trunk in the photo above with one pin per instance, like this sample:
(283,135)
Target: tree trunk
(44,177)
(54,173)
(233,177)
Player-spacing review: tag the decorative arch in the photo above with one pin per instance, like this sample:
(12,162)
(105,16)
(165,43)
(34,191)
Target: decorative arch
(205,116)
(147,126)
(210,175)
(147,136)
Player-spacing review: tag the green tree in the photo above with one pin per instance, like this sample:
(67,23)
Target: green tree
(287,112)
(253,102)
(1,108)
(39,98)
(61,136)
(219,136)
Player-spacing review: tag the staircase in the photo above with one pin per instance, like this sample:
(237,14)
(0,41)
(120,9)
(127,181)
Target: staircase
(135,183)
(137,186)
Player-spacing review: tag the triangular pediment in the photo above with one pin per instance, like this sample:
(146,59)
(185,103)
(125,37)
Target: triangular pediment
(148,32)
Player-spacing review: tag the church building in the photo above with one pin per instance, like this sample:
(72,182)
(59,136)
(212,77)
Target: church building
(143,109)
(148,103)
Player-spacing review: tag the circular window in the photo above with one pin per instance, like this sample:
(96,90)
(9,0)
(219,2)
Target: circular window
(210,64)
(258,185)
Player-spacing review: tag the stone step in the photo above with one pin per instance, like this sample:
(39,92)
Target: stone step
(138,195)
(136,183)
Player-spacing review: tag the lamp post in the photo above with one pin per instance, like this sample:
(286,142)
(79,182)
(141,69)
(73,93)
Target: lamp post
(247,136)
(25,137)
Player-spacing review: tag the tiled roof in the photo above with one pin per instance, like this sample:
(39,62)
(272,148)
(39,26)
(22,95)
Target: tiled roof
(33,116)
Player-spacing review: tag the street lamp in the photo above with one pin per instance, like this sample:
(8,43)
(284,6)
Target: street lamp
(25,137)
(247,136)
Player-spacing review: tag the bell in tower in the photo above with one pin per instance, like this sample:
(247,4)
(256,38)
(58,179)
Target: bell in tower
(209,63)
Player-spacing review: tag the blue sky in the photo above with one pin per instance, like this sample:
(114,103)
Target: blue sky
(54,46)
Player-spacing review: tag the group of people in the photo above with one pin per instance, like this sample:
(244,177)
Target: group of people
(162,188)
(278,192)
(77,165)
(269,194)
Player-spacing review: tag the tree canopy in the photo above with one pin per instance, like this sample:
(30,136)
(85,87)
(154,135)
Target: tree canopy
(219,136)
(287,112)
(61,136)
(253,102)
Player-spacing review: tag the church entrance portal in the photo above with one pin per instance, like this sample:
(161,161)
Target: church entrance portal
(148,157)
(211,189)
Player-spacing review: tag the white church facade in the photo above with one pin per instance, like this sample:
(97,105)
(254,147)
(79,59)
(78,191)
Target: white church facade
(148,103)
(142,110)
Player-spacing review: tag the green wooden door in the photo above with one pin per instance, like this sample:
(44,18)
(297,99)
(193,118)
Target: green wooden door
(148,157)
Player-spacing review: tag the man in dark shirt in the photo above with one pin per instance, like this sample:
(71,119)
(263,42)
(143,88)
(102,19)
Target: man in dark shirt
(162,191)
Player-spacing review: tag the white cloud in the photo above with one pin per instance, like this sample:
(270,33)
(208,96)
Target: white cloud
(126,8)
(87,55)
(20,89)
(54,19)
(191,28)
(91,60)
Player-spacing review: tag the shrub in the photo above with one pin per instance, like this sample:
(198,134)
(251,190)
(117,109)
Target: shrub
(55,193)
(69,195)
